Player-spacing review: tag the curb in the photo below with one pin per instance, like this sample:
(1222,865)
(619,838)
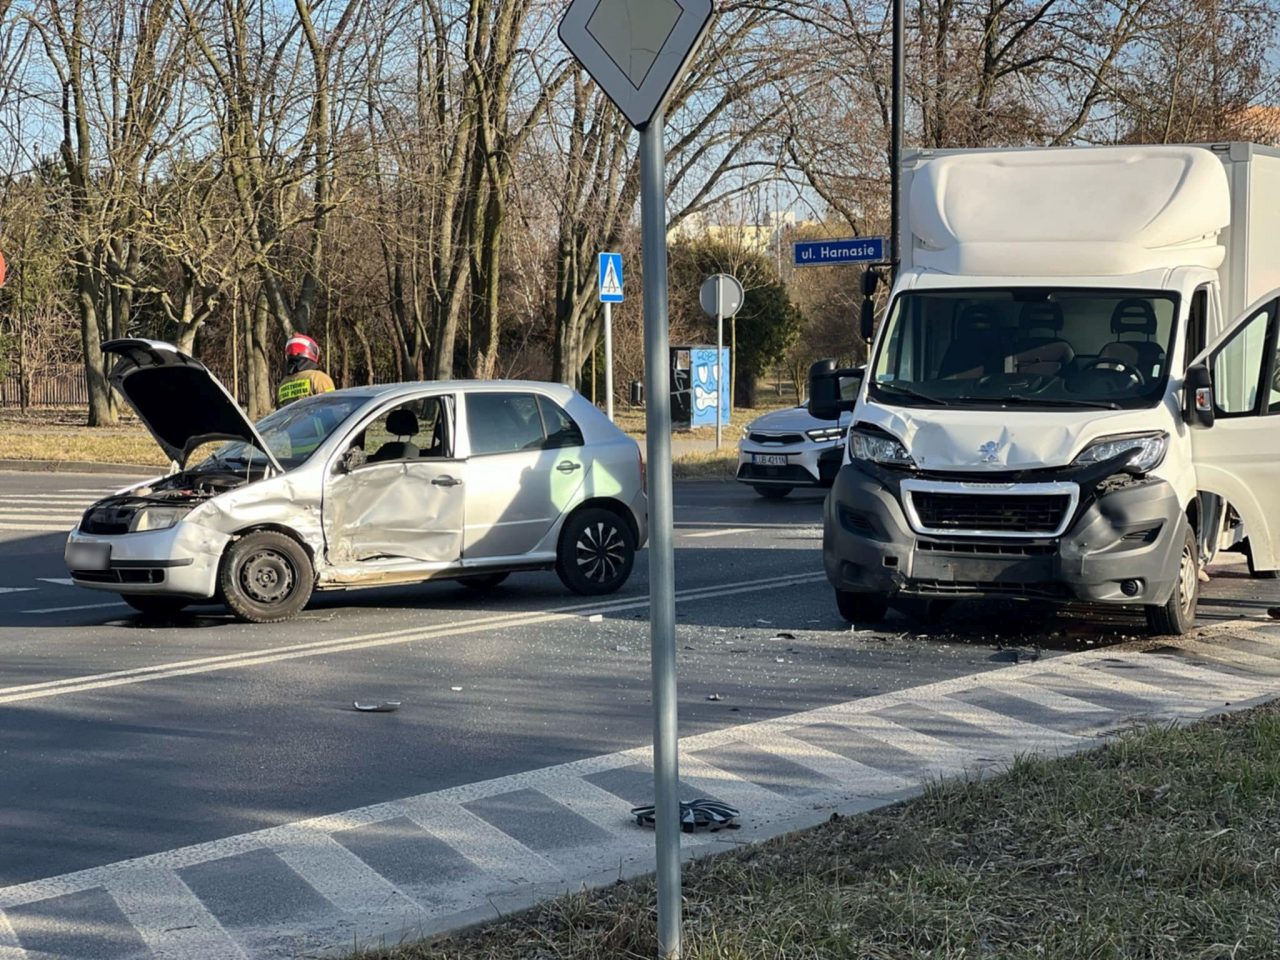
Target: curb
(80,466)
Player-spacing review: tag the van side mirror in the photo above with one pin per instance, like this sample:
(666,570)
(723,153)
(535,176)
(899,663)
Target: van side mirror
(870,282)
(868,324)
(1198,396)
(828,387)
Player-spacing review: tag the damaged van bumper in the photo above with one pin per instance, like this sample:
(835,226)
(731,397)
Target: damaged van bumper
(1117,541)
(181,561)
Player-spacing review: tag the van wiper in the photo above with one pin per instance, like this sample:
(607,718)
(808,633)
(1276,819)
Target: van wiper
(1019,398)
(908,392)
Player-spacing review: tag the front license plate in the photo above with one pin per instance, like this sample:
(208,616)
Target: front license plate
(769,459)
(89,556)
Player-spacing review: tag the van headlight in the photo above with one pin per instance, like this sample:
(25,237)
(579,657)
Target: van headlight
(879,448)
(1145,451)
(156,518)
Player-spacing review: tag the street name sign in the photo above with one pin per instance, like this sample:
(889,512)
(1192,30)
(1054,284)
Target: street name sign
(824,253)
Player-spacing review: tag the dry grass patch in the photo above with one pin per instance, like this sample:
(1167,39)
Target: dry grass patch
(62,436)
(1163,844)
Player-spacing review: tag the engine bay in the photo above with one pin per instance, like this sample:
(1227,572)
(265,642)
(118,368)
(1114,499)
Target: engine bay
(168,497)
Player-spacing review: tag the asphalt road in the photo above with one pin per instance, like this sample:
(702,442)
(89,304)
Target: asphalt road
(121,737)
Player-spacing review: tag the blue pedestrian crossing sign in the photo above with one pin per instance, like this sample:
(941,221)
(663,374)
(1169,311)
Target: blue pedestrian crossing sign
(611,278)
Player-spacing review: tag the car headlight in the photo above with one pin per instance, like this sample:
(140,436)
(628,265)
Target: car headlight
(826,434)
(1146,451)
(879,448)
(156,518)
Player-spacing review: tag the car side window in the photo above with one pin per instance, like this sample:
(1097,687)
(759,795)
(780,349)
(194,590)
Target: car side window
(503,423)
(416,429)
(560,428)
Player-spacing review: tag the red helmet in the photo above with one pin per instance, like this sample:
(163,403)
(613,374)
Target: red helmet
(300,345)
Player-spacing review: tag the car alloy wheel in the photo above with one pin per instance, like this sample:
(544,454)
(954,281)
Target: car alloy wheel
(597,551)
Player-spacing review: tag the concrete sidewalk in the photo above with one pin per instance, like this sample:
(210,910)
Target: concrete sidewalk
(438,861)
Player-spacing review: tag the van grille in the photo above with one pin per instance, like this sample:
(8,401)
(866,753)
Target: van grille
(1035,513)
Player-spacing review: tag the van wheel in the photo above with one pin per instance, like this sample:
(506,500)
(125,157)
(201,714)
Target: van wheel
(266,577)
(862,607)
(1254,571)
(153,606)
(770,492)
(481,582)
(1178,615)
(597,551)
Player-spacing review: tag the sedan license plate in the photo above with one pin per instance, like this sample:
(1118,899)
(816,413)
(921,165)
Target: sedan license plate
(769,459)
(89,556)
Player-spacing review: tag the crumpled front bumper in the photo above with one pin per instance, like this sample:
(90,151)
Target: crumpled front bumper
(1122,547)
(179,561)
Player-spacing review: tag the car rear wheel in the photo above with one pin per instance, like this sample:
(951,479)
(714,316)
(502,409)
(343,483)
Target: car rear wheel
(1178,615)
(266,577)
(597,551)
(152,606)
(862,607)
(771,492)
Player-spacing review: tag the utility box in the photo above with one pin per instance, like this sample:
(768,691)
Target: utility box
(696,380)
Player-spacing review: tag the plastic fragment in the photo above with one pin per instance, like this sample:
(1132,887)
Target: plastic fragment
(387,706)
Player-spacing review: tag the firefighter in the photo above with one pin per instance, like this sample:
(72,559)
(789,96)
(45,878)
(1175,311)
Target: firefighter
(303,378)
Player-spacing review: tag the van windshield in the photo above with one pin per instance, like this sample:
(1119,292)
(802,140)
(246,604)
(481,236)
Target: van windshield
(1004,348)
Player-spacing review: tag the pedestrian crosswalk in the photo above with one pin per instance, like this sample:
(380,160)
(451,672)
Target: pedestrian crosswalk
(438,861)
(55,511)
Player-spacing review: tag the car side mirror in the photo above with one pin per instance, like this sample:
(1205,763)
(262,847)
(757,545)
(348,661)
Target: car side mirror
(1198,396)
(868,321)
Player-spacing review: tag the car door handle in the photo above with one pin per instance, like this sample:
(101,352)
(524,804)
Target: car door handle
(568,466)
(446,482)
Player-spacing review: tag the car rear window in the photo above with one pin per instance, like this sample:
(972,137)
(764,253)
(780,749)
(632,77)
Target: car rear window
(513,422)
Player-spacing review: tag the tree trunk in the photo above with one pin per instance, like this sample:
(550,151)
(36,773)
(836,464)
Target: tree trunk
(257,363)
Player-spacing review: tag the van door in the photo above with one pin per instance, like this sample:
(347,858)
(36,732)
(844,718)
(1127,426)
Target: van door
(1238,457)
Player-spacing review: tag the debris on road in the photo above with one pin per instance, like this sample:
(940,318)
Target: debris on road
(783,636)
(456,689)
(715,696)
(703,812)
(387,706)
(595,618)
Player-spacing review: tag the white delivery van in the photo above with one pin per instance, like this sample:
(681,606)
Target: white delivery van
(1073,395)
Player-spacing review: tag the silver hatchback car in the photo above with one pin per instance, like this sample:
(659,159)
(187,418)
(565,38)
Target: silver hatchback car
(368,486)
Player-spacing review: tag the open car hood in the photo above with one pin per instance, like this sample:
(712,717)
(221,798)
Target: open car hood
(180,401)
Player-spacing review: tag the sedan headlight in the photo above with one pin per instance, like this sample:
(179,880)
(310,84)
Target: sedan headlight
(879,448)
(1145,451)
(157,518)
(826,434)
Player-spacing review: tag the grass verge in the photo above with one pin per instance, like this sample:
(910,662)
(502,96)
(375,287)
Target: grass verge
(1162,844)
(705,465)
(62,436)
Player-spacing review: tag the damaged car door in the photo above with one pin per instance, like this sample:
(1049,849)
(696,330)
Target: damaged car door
(394,498)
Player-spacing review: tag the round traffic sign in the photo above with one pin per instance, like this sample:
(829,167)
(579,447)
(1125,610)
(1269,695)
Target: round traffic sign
(721,295)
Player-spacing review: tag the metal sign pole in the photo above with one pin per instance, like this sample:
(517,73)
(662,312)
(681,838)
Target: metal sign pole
(608,359)
(719,360)
(662,580)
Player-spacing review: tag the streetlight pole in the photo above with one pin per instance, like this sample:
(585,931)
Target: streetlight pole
(895,135)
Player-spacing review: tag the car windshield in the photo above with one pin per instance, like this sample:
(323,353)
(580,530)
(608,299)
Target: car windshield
(291,433)
(1021,347)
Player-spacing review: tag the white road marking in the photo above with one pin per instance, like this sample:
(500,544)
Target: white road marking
(60,581)
(10,947)
(169,917)
(294,651)
(17,589)
(36,527)
(478,840)
(79,606)
(340,876)
(730,531)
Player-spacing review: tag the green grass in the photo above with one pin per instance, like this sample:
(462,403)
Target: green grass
(1163,844)
(60,434)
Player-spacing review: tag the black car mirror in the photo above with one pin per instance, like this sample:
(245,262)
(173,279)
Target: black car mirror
(824,391)
(870,282)
(1198,396)
(868,324)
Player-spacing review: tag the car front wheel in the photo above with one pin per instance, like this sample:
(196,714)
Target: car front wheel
(266,577)
(597,551)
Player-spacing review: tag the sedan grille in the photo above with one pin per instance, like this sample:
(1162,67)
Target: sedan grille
(776,439)
(1021,513)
